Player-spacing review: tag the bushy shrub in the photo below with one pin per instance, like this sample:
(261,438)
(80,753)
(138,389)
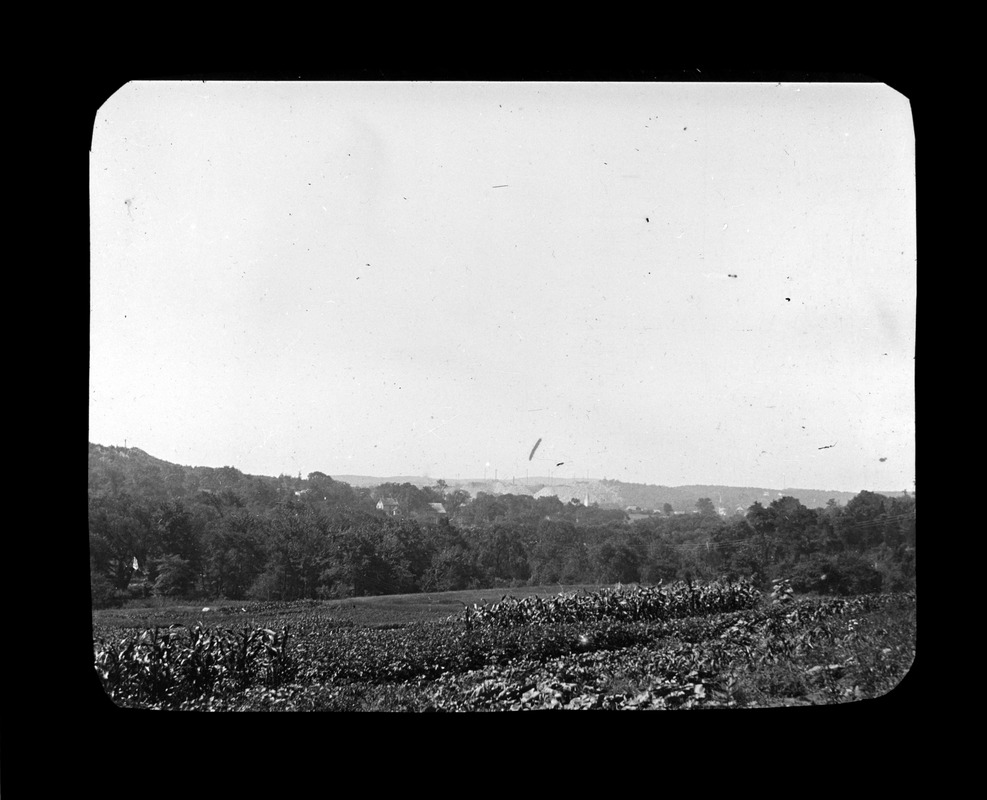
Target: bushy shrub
(175,577)
(897,572)
(140,590)
(103,593)
(857,575)
(265,587)
(811,575)
(844,574)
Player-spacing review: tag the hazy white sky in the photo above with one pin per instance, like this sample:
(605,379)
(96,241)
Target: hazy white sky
(666,283)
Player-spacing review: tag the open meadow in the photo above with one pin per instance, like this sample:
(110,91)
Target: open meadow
(724,645)
(379,611)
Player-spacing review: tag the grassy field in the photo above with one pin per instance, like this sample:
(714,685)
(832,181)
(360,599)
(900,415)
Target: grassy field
(380,611)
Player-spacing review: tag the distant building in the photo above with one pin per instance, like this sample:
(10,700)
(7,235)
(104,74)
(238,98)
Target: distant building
(435,513)
(388,506)
(506,487)
(566,493)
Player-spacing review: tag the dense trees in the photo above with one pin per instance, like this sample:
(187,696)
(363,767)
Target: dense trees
(501,552)
(234,554)
(705,507)
(560,554)
(219,533)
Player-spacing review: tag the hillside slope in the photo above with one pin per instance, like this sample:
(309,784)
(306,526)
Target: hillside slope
(111,465)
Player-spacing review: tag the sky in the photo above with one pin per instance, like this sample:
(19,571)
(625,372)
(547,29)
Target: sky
(666,283)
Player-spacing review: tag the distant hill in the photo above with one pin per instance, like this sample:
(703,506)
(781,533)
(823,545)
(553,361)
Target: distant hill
(617,494)
(364,481)
(130,469)
(109,465)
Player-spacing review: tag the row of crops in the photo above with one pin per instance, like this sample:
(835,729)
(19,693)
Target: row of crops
(637,604)
(647,647)
(158,668)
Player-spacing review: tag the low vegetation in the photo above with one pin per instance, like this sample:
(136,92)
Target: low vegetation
(721,644)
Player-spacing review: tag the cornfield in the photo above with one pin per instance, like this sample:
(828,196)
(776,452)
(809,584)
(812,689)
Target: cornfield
(164,667)
(638,604)
(681,646)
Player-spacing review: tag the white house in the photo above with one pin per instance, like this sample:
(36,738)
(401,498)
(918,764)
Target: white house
(389,506)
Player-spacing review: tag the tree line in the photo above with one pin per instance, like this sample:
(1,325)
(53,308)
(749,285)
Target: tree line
(208,533)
